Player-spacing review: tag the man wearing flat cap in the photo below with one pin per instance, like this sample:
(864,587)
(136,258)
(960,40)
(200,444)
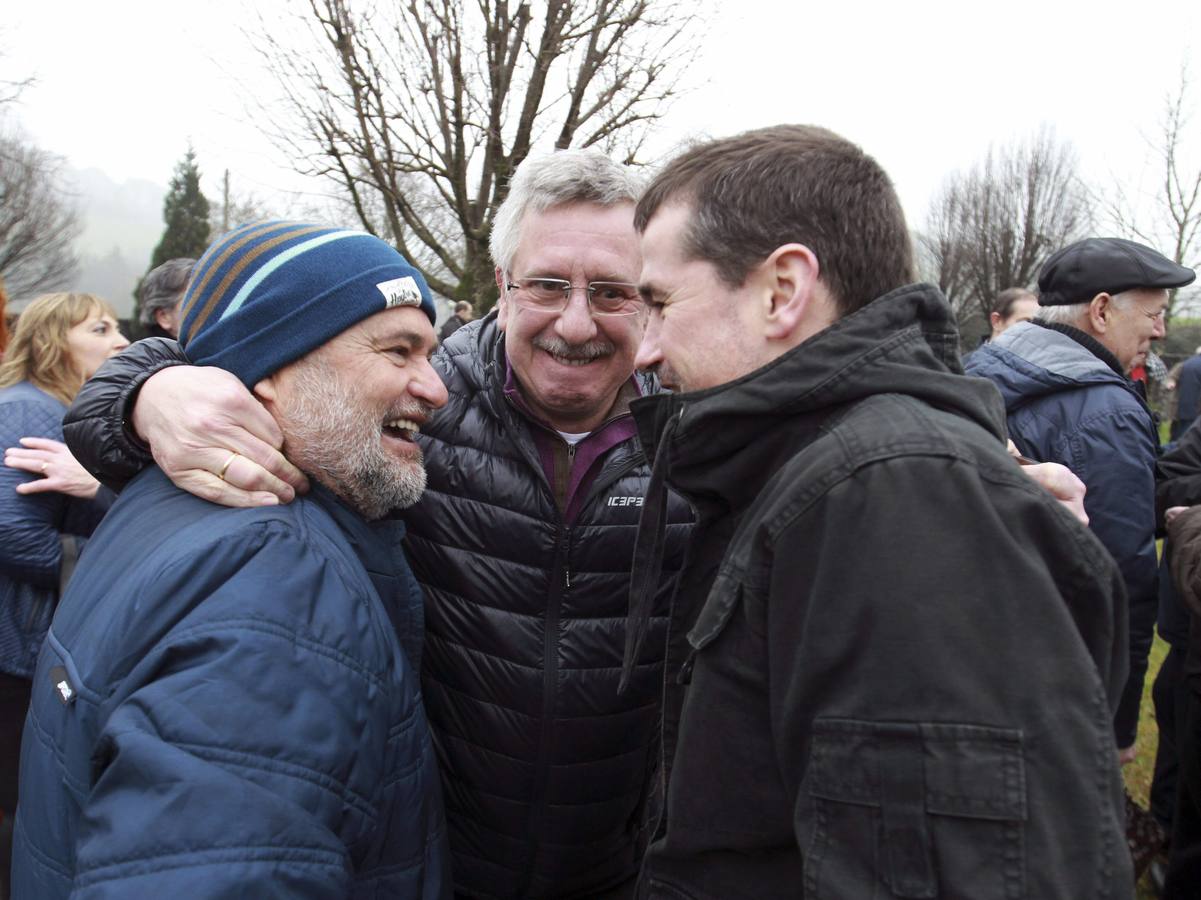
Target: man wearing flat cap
(228,701)
(1068,400)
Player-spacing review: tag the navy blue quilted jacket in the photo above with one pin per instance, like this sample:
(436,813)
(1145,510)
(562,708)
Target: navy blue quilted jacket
(32,531)
(227,705)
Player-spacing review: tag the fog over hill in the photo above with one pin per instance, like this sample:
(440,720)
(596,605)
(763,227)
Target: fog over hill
(121,224)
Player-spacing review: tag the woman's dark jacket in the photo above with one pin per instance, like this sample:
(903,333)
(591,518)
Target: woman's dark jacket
(36,531)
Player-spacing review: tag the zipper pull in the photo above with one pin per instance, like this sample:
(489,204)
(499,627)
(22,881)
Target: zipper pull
(567,576)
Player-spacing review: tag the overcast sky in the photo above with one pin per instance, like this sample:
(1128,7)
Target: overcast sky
(924,86)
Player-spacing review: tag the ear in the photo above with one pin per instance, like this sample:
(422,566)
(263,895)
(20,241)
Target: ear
(1100,308)
(502,301)
(994,319)
(790,276)
(267,391)
(162,316)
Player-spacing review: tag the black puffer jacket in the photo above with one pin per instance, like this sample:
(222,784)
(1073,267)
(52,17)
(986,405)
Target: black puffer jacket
(545,764)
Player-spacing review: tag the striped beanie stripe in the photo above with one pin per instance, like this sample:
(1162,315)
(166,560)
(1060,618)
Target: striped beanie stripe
(266,294)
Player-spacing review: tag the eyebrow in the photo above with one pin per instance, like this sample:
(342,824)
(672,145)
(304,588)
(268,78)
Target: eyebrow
(404,336)
(614,279)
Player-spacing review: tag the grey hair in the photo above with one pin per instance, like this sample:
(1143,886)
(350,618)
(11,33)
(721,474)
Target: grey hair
(566,176)
(1074,313)
(163,286)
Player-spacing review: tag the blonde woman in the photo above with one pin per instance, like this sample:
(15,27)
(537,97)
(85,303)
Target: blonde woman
(48,503)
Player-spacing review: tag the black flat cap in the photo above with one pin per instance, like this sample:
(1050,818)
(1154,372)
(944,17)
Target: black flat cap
(1080,271)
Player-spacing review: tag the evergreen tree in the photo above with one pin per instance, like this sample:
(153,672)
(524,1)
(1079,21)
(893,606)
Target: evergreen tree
(186,212)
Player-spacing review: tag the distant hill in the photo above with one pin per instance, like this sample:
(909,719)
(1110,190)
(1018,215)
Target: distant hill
(121,225)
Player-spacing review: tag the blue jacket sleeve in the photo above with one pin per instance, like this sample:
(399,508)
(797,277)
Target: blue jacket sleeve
(232,758)
(1114,455)
(30,549)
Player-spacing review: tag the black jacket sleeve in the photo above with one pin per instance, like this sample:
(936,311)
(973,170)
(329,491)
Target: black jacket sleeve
(98,428)
(1178,474)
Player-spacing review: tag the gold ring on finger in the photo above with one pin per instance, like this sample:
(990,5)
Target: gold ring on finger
(225,468)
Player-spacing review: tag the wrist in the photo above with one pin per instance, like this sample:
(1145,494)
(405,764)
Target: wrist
(134,425)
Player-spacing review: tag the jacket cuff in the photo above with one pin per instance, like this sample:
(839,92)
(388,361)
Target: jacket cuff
(98,427)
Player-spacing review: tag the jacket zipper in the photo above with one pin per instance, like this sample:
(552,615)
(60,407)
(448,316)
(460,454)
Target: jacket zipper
(550,681)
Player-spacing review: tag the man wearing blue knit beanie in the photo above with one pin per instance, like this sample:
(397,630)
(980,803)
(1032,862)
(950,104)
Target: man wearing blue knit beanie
(228,700)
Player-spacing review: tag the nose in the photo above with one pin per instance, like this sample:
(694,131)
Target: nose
(120,343)
(426,385)
(575,323)
(649,353)
(1159,330)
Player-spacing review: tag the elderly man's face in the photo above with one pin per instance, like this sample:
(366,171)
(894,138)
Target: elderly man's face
(700,332)
(1131,328)
(571,364)
(351,409)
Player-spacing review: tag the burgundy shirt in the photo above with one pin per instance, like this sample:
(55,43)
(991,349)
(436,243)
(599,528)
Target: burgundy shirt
(571,470)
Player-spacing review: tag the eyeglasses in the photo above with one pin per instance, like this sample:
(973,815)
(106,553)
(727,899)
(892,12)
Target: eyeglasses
(605,298)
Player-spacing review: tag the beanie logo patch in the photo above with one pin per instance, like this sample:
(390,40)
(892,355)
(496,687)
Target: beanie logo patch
(400,292)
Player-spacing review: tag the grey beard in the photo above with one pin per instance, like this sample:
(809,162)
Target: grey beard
(330,436)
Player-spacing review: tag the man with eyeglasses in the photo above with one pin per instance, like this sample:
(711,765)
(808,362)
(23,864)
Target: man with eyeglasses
(1068,399)
(522,543)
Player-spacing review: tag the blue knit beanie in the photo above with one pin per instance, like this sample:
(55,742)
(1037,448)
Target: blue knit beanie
(268,293)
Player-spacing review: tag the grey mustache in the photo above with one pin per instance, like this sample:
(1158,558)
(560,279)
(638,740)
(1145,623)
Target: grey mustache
(590,350)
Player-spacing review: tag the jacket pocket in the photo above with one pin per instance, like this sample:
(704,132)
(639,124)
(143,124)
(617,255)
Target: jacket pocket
(900,809)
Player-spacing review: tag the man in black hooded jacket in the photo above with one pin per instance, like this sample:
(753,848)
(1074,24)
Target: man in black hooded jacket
(892,660)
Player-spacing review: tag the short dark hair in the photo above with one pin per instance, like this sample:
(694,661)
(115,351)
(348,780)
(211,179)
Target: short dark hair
(787,184)
(1003,305)
(164,286)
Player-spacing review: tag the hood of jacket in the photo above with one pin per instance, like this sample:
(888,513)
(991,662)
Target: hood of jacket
(1030,361)
(905,342)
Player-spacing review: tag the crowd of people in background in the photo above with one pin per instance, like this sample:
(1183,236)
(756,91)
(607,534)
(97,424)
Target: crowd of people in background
(700,566)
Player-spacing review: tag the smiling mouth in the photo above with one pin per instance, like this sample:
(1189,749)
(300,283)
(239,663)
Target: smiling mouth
(573,360)
(402,429)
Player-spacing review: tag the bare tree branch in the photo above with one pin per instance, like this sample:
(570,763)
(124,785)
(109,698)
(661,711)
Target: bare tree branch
(38,224)
(1168,218)
(994,227)
(420,110)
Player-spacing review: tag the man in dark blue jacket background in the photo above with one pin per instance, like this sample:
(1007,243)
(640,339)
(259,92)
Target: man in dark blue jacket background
(1068,400)
(228,699)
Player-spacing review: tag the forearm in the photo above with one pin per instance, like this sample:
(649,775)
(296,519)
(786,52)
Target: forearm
(98,427)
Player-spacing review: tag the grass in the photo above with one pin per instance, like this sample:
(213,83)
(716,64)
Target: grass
(1138,774)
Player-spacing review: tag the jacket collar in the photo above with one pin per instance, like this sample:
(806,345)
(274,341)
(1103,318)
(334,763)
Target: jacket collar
(1088,342)
(730,438)
(376,544)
